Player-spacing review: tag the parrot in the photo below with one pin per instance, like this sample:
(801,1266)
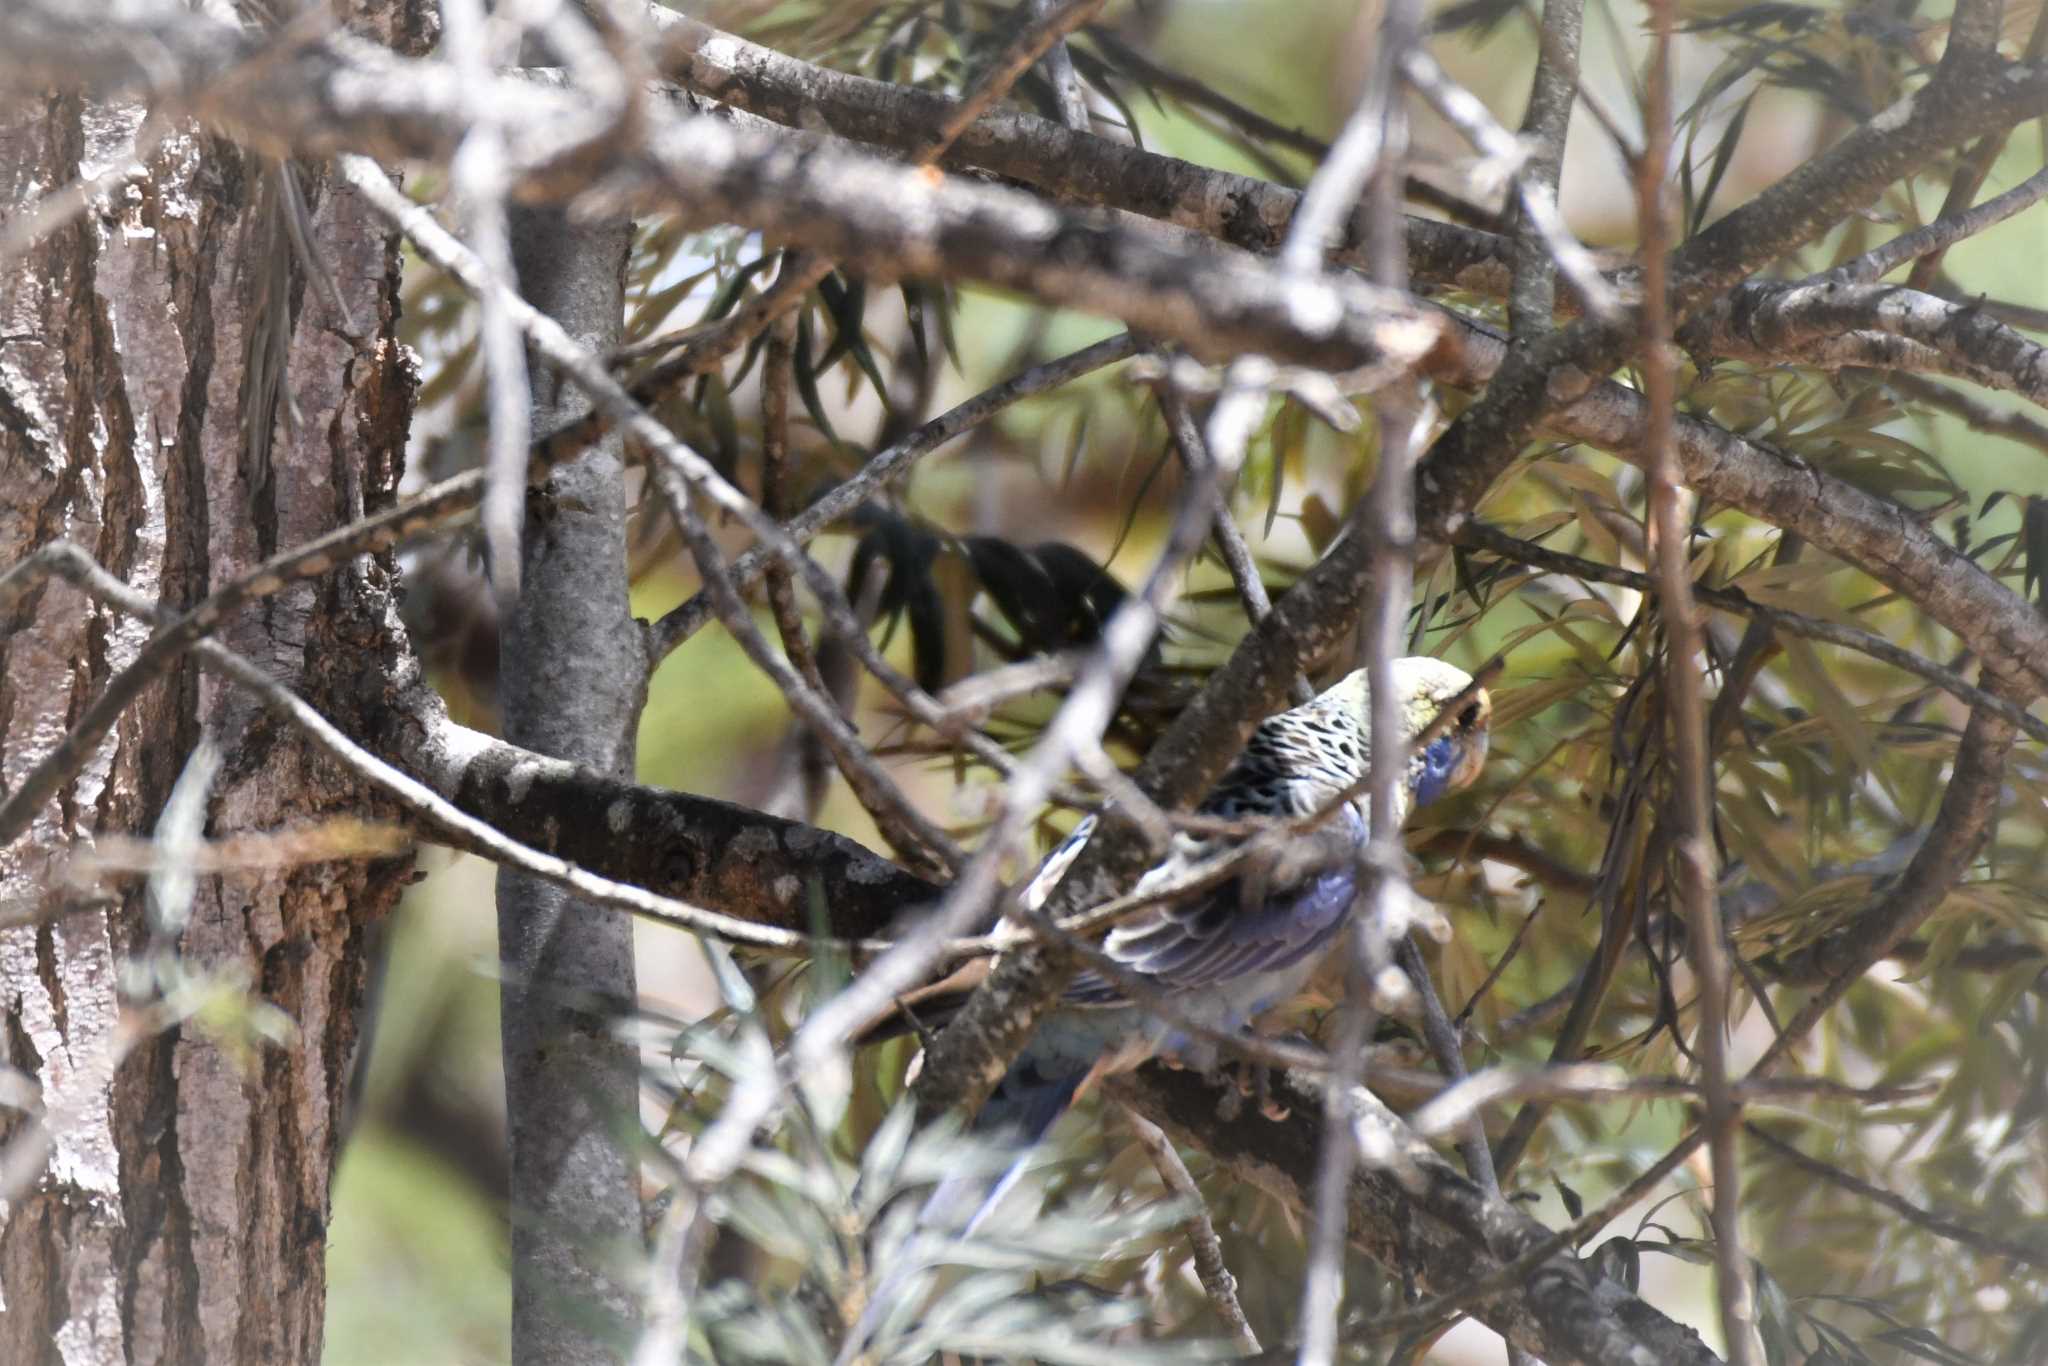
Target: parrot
(1229,953)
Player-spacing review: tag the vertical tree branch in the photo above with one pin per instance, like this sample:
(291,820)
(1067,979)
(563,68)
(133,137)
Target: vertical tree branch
(1532,297)
(572,679)
(1445,1046)
(479,176)
(1059,70)
(1230,542)
(805,764)
(1685,703)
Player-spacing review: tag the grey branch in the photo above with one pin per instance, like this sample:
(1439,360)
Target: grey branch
(338,95)
(737,857)
(1769,322)
(1415,1212)
(1072,166)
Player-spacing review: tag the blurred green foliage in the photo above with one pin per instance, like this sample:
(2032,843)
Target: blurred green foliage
(1833,765)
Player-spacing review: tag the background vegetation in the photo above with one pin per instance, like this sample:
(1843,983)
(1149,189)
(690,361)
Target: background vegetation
(1894,1177)
(1837,764)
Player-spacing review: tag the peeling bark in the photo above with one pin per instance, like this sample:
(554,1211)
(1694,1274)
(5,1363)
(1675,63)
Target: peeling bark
(181,1214)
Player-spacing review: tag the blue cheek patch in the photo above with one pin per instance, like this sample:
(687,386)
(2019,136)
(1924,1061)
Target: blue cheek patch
(1433,769)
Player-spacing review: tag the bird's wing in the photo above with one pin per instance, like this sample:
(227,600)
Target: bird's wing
(1215,937)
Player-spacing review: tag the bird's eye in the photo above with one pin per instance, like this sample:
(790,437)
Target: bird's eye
(1469,717)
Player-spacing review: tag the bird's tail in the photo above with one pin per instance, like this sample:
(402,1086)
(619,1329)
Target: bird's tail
(1024,1106)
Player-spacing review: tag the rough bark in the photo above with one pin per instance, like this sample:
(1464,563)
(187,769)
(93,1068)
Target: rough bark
(181,1216)
(166,1220)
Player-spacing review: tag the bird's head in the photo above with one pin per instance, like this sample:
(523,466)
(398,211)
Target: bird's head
(1451,757)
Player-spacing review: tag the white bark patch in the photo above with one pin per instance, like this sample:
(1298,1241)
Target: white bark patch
(460,745)
(178,157)
(868,872)
(1037,222)
(1408,339)
(92,1334)
(1895,117)
(724,54)
(520,778)
(1312,307)
(753,843)
(786,888)
(79,1056)
(24,396)
(802,839)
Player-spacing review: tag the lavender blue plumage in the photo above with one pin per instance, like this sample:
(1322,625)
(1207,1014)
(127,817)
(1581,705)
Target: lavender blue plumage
(1223,955)
(1220,956)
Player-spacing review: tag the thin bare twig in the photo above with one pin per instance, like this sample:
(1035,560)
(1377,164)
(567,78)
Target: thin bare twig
(698,348)
(1209,1264)
(804,780)
(1942,233)
(1452,1111)
(975,697)
(1463,110)
(1049,23)
(908,829)
(1973,35)
(1685,704)
(685,620)
(1230,542)
(777,364)
(1978,415)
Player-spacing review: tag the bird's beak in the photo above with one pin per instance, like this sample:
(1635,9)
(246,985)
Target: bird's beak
(1473,749)
(1467,771)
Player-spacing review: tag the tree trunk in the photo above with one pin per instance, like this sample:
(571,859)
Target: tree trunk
(572,680)
(181,1214)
